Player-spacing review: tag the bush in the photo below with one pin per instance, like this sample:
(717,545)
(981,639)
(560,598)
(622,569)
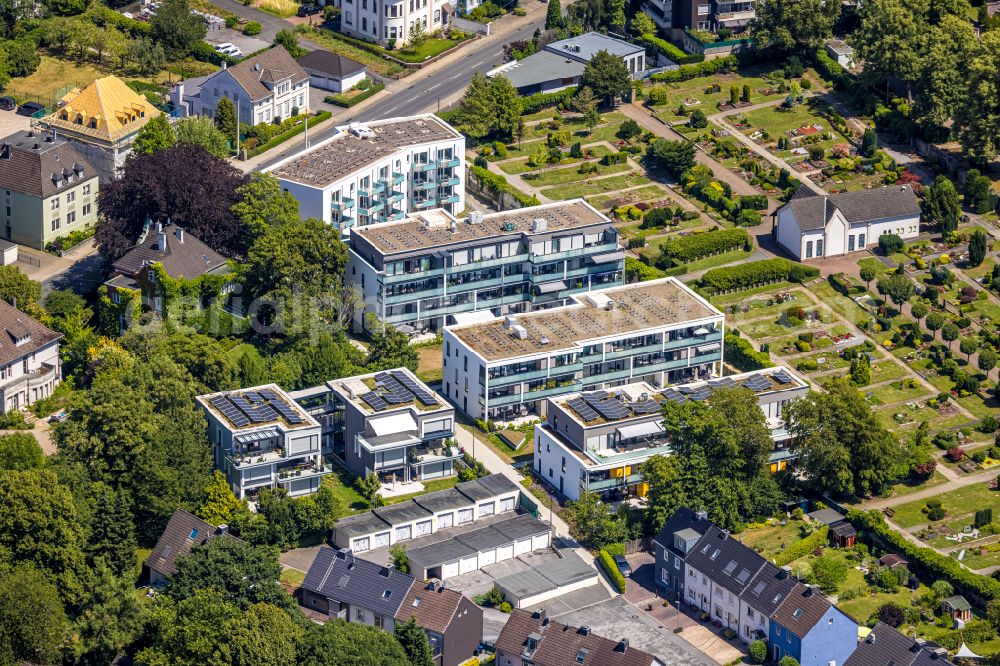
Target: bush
(988,425)
(757,651)
(497,184)
(890,244)
(348,102)
(656,45)
(983,517)
(979,457)
(803,547)
(684,249)
(607,562)
(755,274)
(14,420)
(741,354)
(892,614)
(788,661)
(537,102)
(252,28)
(286,132)
(706,68)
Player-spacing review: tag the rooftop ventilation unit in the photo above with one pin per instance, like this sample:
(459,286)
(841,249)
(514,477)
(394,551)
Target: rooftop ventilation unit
(544,340)
(476,217)
(362,131)
(509,322)
(539,224)
(519,332)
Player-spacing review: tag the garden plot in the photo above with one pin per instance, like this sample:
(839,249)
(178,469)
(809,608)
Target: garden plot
(588,185)
(708,94)
(956,504)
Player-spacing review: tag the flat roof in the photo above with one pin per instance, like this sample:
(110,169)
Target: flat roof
(443,500)
(540,67)
(634,407)
(548,576)
(587,45)
(382,393)
(498,484)
(356,146)
(476,490)
(636,307)
(421,232)
(253,408)
(439,553)
(474,541)
(360,525)
(519,527)
(404,512)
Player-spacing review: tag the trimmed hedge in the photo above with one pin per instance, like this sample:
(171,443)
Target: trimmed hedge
(802,548)
(538,101)
(340,100)
(607,562)
(706,68)
(285,136)
(497,184)
(830,69)
(926,562)
(684,249)
(670,51)
(741,354)
(756,273)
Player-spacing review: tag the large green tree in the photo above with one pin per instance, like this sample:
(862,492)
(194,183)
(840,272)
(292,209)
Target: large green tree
(607,76)
(784,27)
(20,451)
(978,116)
(491,106)
(941,204)
(390,347)
(979,245)
(889,39)
(844,448)
(339,643)
(225,118)
(191,632)
(265,635)
(112,531)
(413,638)
(33,623)
(553,15)
(675,157)
(941,86)
(201,131)
(154,136)
(664,476)
(176,29)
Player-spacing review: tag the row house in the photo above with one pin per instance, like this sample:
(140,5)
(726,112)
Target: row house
(659,332)
(378,171)
(432,269)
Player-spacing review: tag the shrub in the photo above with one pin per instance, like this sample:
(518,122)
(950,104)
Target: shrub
(655,45)
(741,354)
(988,424)
(497,184)
(705,68)
(756,273)
(252,28)
(956,454)
(979,457)
(890,244)
(788,661)
(802,547)
(892,614)
(685,249)
(757,651)
(537,102)
(607,562)
(983,517)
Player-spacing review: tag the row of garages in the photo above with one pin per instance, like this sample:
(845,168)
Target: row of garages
(464,553)
(463,505)
(547,580)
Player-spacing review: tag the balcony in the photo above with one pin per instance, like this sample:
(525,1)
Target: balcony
(433,455)
(693,341)
(607,484)
(401,277)
(593,249)
(396,214)
(388,442)
(420,168)
(450,182)
(744,15)
(534,395)
(395,197)
(448,164)
(426,203)
(343,204)
(487,263)
(517,377)
(433,292)
(256,458)
(454,288)
(450,199)
(378,187)
(397,178)
(633,351)
(426,185)
(371,209)
(304,471)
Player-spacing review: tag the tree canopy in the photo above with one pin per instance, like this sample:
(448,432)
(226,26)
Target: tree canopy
(607,76)
(784,27)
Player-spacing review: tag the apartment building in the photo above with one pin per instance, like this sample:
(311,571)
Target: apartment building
(378,172)
(49,189)
(676,16)
(429,270)
(261,438)
(385,423)
(596,441)
(264,88)
(742,591)
(392,21)
(30,368)
(659,332)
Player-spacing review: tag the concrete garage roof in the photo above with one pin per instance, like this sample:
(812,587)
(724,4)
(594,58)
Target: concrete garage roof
(477,490)
(444,500)
(402,513)
(488,538)
(360,525)
(498,484)
(501,533)
(520,527)
(547,576)
(542,67)
(439,553)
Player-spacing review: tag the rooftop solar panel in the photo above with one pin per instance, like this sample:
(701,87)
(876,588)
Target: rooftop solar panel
(398,397)
(287,412)
(610,409)
(268,394)
(374,401)
(583,409)
(645,407)
(782,377)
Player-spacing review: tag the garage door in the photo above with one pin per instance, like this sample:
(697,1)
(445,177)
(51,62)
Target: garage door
(449,570)
(469,564)
(424,528)
(446,520)
(487,558)
(507,504)
(505,552)
(402,533)
(522,546)
(360,545)
(464,516)
(539,542)
(382,540)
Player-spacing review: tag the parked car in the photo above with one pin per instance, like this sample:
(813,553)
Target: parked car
(223,47)
(309,10)
(58,417)
(7,103)
(623,565)
(235,52)
(29,109)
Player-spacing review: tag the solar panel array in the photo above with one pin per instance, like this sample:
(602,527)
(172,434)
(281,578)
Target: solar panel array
(646,406)
(607,407)
(758,383)
(254,407)
(397,388)
(782,377)
(583,409)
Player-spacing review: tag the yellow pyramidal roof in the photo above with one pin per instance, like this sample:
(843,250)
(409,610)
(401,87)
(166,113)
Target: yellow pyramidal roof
(106,109)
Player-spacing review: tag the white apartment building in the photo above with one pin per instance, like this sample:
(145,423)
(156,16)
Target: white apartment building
(659,332)
(266,87)
(378,172)
(29,359)
(261,438)
(381,21)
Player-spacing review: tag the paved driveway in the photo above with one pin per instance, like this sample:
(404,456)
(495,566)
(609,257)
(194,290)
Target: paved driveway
(641,585)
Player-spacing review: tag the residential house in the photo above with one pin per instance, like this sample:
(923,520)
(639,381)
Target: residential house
(885,645)
(841,51)
(332,71)
(49,189)
(761,599)
(812,630)
(671,546)
(101,121)
(560,64)
(597,441)
(718,570)
(267,87)
(184,531)
(261,438)
(659,332)
(180,255)
(378,172)
(811,226)
(532,639)
(958,608)
(675,17)
(385,423)
(30,368)
(429,270)
(341,585)
(392,22)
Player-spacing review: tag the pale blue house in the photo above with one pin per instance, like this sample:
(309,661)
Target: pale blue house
(812,630)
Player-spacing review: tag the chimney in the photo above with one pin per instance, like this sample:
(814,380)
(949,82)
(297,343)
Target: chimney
(431,586)
(223,63)
(622,645)
(180,234)
(161,241)
(583,631)
(724,535)
(701,515)
(221,529)
(809,591)
(31,134)
(384,572)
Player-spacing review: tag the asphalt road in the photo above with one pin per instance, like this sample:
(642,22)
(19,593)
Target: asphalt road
(423,94)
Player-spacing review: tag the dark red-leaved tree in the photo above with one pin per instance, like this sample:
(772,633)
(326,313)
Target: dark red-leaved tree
(184,183)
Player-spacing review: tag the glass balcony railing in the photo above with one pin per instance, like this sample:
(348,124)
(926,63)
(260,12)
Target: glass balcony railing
(427,185)
(379,187)
(448,164)
(426,203)
(420,168)
(450,200)
(343,204)
(454,180)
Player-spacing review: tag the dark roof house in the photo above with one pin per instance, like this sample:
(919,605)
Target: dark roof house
(253,73)
(181,254)
(725,560)
(21,335)
(801,610)
(183,532)
(814,211)
(39,165)
(339,575)
(884,645)
(329,64)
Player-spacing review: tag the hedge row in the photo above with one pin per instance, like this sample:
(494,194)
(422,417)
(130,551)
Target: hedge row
(706,68)
(673,53)
(831,69)
(688,248)
(926,562)
(756,273)
(340,100)
(285,136)
(538,101)
(803,547)
(741,354)
(497,184)
(607,563)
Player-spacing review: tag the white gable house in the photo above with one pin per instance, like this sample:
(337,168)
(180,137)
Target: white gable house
(812,225)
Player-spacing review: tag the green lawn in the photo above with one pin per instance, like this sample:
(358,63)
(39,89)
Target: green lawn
(718,260)
(292,577)
(872,262)
(700,90)
(521,165)
(771,540)
(432,47)
(956,503)
(776,119)
(342,484)
(429,487)
(571,175)
(595,186)
(886,370)
(722,300)
(842,305)
(429,363)
(644,193)
(140,556)
(892,392)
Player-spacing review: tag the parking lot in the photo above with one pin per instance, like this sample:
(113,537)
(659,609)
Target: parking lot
(246,44)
